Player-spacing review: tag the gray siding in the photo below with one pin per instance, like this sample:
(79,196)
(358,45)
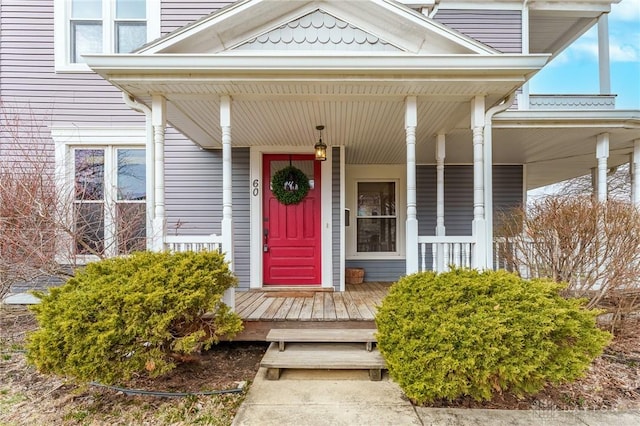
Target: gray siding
(176,14)
(380,270)
(29,84)
(458,196)
(335,216)
(500,29)
(194,196)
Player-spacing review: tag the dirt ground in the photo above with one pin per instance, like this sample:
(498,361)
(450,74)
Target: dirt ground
(30,398)
(27,397)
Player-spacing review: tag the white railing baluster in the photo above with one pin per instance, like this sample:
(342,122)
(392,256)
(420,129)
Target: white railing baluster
(454,250)
(183,243)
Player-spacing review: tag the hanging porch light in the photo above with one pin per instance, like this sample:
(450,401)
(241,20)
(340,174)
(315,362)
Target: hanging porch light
(320,147)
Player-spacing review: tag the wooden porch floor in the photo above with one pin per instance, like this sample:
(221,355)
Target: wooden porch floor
(262,310)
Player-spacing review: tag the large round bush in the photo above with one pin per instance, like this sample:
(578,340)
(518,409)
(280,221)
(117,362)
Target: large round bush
(133,315)
(463,332)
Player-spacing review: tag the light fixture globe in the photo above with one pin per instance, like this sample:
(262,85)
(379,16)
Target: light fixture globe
(320,147)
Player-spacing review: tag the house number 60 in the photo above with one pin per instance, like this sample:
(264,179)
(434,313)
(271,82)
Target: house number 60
(255,185)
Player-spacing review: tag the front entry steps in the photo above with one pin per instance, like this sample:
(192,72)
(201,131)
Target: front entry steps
(327,349)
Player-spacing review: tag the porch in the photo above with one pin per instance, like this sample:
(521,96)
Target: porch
(263,310)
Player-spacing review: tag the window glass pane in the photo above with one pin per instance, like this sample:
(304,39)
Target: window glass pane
(86,37)
(130,36)
(131,174)
(89,228)
(376,235)
(132,227)
(86,9)
(131,9)
(89,174)
(376,199)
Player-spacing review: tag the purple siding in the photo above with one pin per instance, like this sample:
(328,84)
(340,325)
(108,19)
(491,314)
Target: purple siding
(500,29)
(176,14)
(29,85)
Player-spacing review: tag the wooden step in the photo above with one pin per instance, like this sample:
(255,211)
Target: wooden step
(325,356)
(356,335)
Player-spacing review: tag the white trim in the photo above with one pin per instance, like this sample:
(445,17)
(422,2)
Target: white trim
(326,220)
(61,39)
(378,173)
(379,63)
(255,233)
(343,207)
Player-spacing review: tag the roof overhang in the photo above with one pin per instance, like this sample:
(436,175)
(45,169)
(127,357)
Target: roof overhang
(559,145)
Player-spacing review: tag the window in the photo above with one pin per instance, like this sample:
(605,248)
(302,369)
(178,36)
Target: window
(109,207)
(376,219)
(102,26)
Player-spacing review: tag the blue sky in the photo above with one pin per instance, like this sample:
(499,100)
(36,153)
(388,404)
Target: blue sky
(575,71)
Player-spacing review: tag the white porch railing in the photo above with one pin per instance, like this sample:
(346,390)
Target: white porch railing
(440,253)
(182,243)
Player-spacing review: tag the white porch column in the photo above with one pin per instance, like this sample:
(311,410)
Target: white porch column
(227,191)
(410,123)
(479,224)
(635,171)
(440,228)
(158,121)
(602,153)
(604,69)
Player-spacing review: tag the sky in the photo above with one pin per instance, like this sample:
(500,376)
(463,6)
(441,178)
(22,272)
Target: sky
(575,71)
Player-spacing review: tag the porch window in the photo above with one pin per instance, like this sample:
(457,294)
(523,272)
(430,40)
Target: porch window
(109,209)
(102,26)
(376,217)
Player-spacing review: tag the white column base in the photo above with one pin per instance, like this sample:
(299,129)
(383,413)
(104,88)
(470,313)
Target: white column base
(229,298)
(412,263)
(480,248)
(157,235)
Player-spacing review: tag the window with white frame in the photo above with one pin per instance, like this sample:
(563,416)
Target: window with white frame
(109,202)
(102,26)
(376,217)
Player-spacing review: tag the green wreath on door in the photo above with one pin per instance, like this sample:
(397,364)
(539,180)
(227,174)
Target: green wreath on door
(290,185)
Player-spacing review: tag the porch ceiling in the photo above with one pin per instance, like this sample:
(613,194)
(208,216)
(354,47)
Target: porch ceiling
(368,119)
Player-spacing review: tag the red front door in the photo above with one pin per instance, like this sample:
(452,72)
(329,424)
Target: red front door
(291,233)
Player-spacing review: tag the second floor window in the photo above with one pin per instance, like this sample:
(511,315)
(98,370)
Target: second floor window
(106,26)
(84,27)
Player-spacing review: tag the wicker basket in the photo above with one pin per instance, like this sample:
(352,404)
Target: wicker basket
(354,275)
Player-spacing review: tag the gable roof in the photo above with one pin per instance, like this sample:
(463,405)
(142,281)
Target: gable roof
(383,20)
(395,52)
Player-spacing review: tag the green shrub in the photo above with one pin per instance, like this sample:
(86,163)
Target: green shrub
(136,315)
(468,333)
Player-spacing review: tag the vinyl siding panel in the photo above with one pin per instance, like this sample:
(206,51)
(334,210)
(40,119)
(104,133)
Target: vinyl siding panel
(193,196)
(176,14)
(500,29)
(458,196)
(335,216)
(34,96)
(380,270)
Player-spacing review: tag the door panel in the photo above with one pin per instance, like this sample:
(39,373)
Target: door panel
(291,233)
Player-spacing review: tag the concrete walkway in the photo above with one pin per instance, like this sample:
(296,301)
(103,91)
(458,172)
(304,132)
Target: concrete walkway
(349,398)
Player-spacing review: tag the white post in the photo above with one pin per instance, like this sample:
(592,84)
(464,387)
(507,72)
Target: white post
(524,102)
(227,191)
(604,70)
(478,225)
(158,121)
(440,228)
(635,170)
(602,153)
(410,123)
